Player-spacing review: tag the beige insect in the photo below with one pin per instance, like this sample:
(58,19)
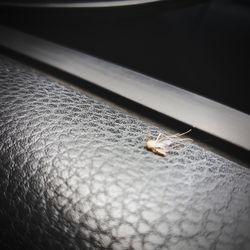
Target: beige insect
(164,142)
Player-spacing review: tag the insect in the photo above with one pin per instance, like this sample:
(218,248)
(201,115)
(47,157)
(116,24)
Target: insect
(164,142)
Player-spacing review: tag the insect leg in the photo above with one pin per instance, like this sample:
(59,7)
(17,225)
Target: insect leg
(178,134)
(158,137)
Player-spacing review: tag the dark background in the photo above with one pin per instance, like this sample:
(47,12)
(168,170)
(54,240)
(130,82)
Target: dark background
(202,46)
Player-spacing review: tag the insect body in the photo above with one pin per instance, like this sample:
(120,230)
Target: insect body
(163,143)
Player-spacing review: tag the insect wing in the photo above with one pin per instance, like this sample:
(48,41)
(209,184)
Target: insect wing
(164,143)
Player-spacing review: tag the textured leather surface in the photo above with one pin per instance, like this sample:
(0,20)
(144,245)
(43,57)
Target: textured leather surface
(74,175)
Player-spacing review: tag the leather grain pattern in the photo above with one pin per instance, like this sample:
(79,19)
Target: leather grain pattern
(74,174)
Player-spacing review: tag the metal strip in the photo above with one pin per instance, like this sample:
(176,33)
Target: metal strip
(80,5)
(197,111)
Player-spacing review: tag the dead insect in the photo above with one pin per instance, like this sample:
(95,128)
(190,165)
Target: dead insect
(164,142)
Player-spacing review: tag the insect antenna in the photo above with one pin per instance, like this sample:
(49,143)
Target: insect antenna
(175,136)
(179,135)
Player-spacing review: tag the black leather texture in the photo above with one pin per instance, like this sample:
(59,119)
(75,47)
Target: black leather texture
(74,174)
